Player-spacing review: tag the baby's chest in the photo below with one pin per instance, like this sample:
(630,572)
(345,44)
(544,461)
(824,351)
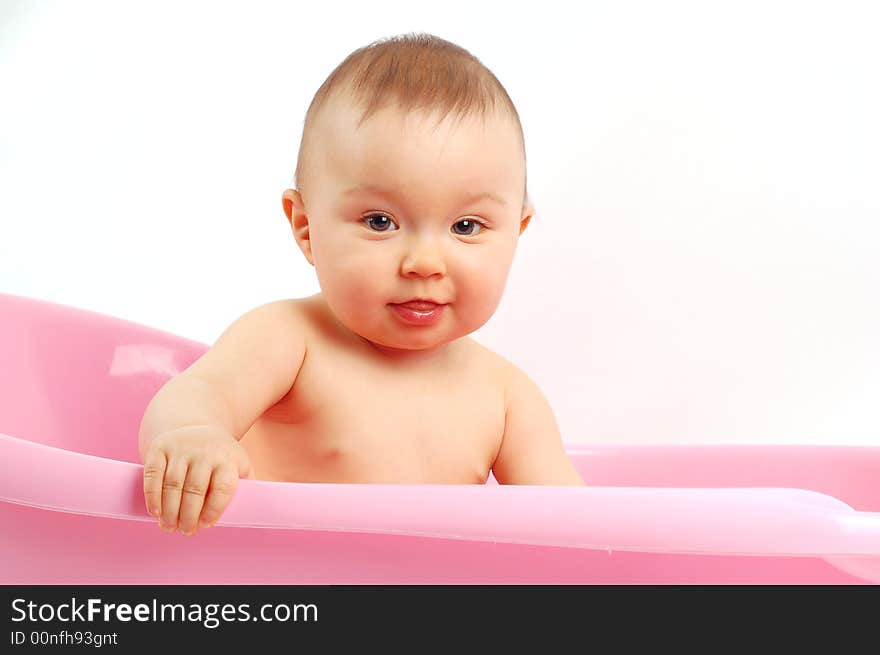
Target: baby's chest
(438,424)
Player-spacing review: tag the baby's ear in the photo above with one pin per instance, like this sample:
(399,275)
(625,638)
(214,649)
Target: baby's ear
(295,210)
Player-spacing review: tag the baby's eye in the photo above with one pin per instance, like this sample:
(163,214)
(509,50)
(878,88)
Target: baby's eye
(469,227)
(380,223)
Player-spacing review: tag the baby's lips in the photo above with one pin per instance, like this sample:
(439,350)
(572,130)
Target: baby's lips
(421,305)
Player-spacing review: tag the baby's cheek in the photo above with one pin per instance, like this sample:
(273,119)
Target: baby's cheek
(489,274)
(345,267)
(365,272)
(361,283)
(481,297)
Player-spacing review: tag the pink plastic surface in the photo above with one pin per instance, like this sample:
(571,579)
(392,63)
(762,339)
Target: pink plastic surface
(74,384)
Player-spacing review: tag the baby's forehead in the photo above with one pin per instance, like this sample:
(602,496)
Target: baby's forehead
(389,150)
(347,117)
(398,146)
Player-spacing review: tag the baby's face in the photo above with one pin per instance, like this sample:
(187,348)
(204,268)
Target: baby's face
(398,210)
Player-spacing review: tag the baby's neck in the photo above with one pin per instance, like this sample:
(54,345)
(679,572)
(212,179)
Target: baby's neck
(436,355)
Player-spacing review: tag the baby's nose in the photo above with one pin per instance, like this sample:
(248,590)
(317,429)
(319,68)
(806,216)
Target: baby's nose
(423,258)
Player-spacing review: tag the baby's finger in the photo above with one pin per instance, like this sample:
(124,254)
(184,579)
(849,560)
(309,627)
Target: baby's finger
(154,473)
(172,489)
(194,490)
(223,484)
(245,468)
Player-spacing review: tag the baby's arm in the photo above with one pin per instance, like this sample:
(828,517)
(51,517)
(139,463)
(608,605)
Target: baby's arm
(190,430)
(531,450)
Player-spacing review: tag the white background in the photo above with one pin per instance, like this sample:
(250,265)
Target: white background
(703,265)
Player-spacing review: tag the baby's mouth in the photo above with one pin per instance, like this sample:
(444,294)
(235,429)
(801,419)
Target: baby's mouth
(419,305)
(418,312)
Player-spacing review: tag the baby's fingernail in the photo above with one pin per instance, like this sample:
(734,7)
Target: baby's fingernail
(204,524)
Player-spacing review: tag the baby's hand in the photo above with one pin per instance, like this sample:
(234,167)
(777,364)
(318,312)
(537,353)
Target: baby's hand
(190,475)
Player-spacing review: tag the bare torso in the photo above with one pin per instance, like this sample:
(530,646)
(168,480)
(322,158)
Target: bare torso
(352,416)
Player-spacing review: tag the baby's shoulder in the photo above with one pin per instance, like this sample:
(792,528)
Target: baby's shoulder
(305,319)
(512,379)
(491,363)
(285,310)
(277,320)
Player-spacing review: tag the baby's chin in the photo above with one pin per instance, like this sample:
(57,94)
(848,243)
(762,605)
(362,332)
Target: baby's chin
(414,343)
(409,341)
(385,334)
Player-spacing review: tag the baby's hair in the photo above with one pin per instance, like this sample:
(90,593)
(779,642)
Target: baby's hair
(416,71)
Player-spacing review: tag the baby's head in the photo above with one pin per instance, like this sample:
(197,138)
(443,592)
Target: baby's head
(410,184)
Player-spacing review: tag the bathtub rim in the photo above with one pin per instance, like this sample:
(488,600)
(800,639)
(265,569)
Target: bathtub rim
(495,512)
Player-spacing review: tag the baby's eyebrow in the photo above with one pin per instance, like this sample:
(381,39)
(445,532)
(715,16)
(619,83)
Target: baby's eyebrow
(377,190)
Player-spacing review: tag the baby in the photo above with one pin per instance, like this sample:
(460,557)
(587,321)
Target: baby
(410,213)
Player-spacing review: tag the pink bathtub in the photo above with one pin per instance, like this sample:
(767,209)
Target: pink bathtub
(73,386)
